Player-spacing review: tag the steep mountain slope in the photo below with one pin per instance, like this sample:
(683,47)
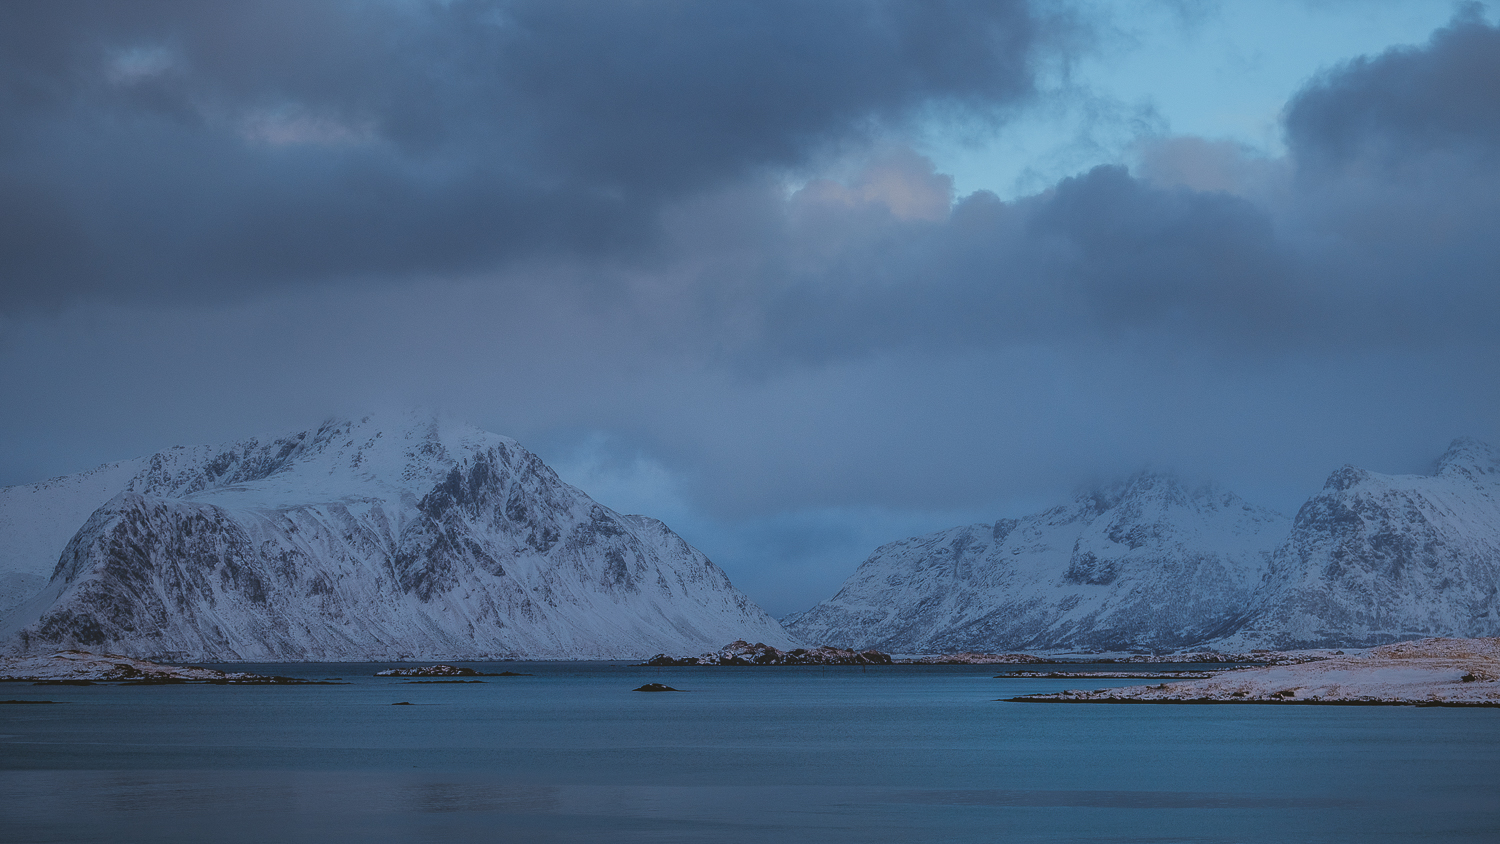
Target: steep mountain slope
(1145,563)
(37,520)
(375,539)
(1377,558)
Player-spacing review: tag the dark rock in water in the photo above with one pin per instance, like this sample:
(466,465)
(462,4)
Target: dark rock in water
(439,682)
(436,671)
(740,652)
(656,687)
(402,703)
(26,701)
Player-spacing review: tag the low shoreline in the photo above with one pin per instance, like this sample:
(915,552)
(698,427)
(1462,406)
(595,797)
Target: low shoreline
(1455,704)
(1425,672)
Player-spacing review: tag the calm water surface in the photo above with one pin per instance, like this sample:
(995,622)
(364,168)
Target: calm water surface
(884,754)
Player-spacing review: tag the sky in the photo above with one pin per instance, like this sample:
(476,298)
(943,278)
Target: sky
(798,278)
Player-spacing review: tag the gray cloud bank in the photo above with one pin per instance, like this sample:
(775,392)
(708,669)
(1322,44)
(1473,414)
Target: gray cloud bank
(190,149)
(700,229)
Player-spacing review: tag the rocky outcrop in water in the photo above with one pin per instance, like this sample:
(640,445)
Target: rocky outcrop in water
(744,653)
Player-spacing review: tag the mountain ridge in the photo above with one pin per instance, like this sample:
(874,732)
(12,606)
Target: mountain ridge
(1095,572)
(366,540)
(1370,559)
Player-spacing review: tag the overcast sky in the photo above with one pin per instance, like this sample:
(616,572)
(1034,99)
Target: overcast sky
(799,278)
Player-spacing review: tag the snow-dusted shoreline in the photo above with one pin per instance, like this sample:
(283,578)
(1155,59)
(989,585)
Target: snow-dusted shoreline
(83,667)
(1427,672)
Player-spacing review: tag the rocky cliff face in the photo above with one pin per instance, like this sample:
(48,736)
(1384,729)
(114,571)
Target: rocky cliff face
(1146,563)
(375,539)
(1378,558)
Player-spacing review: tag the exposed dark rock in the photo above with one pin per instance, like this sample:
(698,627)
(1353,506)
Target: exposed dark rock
(656,687)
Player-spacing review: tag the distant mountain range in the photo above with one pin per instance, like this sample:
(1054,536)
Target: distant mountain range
(413,537)
(1151,565)
(373,539)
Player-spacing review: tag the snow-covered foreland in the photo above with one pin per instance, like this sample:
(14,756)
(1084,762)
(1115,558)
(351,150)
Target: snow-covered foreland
(1151,565)
(73,666)
(384,538)
(1429,672)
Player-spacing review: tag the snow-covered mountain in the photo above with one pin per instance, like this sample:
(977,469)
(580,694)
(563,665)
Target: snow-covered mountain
(1146,563)
(1377,558)
(1370,559)
(381,538)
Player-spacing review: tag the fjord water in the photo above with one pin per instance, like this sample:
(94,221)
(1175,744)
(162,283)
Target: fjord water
(848,754)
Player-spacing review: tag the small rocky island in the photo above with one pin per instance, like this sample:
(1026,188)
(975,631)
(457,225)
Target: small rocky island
(76,667)
(740,652)
(1426,672)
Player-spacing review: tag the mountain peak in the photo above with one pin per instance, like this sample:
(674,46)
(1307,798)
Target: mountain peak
(389,536)
(1162,490)
(1471,458)
(1142,486)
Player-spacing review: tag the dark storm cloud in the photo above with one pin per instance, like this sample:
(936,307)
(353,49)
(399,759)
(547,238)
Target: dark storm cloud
(1377,232)
(1407,102)
(178,148)
(805,373)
